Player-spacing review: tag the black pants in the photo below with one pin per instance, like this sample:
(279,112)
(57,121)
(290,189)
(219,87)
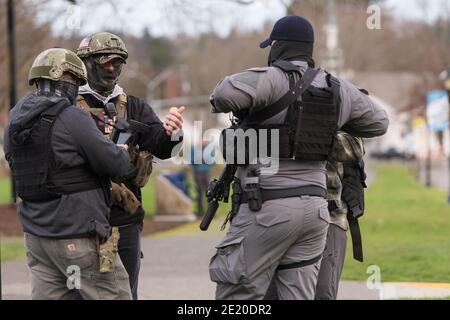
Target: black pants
(202,180)
(130,253)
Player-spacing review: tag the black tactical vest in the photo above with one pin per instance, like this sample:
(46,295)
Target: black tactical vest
(310,125)
(36,176)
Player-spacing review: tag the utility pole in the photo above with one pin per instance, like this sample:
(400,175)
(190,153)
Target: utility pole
(12,69)
(12,91)
(333,56)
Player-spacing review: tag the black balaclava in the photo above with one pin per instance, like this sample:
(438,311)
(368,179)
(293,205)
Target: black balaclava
(59,88)
(67,89)
(97,75)
(291,51)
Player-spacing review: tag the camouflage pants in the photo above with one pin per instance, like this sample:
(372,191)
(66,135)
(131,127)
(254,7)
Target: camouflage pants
(332,264)
(59,267)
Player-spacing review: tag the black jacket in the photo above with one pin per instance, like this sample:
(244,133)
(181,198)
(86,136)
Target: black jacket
(75,141)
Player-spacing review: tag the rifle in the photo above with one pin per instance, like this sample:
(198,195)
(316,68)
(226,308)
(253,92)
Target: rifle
(218,190)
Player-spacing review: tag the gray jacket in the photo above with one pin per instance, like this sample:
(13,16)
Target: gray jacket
(76,141)
(259,87)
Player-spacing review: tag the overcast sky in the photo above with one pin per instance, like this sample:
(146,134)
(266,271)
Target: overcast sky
(168,17)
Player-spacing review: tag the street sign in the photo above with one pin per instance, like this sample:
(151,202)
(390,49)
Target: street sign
(437,110)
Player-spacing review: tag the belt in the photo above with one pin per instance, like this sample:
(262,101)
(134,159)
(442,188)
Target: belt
(269,194)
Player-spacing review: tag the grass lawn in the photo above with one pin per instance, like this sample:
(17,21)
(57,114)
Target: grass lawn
(149,194)
(5,189)
(12,251)
(405,230)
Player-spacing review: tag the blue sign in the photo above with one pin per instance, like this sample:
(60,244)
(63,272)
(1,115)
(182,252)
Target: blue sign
(437,110)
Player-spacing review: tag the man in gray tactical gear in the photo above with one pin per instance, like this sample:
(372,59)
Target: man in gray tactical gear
(280,229)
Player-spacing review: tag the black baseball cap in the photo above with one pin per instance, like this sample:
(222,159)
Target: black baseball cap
(290,28)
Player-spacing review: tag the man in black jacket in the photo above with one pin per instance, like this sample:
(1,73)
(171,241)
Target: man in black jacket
(104,55)
(62,167)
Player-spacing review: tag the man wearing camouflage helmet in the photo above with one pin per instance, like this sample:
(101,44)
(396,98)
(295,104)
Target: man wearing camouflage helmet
(61,169)
(104,55)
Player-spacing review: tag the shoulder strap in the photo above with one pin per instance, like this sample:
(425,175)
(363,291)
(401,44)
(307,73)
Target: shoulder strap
(286,66)
(47,120)
(286,100)
(81,103)
(122,105)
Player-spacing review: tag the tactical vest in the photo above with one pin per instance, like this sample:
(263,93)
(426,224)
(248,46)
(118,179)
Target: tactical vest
(36,176)
(121,106)
(310,125)
(142,160)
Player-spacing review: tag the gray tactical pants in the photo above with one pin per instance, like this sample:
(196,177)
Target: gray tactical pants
(330,267)
(58,267)
(285,231)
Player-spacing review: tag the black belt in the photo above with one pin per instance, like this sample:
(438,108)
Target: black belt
(269,194)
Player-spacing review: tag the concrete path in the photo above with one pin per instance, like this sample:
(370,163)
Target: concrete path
(175,267)
(438,173)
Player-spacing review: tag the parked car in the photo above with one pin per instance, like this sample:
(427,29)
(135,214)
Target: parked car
(391,154)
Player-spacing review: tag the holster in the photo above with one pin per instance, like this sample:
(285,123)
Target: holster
(107,251)
(142,160)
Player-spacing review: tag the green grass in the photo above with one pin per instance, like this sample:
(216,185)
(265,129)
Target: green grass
(149,196)
(405,230)
(5,189)
(12,251)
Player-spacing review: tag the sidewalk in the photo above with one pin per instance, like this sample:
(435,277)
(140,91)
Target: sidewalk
(175,267)
(438,173)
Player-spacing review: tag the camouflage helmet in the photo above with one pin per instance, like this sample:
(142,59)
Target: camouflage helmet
(52,63)
(102,42)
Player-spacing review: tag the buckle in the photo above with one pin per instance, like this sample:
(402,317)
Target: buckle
(48,120)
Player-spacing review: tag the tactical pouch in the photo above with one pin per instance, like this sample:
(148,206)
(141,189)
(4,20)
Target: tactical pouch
(107,251)
(143,163)
(235,198)
(353,184)
(253,193)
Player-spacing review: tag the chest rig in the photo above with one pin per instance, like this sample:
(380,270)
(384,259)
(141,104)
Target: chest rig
(141,159)
(309,127)
(36,175)
(101,116)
